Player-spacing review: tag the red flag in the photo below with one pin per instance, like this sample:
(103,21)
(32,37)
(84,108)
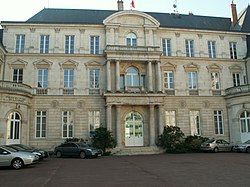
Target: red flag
(133,4)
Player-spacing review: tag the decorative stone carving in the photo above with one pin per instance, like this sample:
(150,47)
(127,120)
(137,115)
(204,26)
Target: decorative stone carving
(54,104)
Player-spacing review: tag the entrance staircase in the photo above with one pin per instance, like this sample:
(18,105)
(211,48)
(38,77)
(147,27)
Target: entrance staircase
(137,151)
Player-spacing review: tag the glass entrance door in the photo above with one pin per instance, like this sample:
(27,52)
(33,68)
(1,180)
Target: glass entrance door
(133,129)
(13,128)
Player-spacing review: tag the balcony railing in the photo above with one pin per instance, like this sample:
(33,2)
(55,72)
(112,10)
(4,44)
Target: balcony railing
(15,87)
(132,48)
(238,90)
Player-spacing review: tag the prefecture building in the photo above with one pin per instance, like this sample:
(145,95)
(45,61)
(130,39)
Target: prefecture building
(66,72)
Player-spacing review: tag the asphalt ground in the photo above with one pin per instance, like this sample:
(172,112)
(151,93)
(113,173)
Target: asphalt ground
(171,170)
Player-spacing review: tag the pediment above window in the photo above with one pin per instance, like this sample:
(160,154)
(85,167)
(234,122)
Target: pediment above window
(235,68)
(130,18)
(191,67)
(214,68)
(69,64)
(93,64)
(18,64)
(42,64)
(168,66)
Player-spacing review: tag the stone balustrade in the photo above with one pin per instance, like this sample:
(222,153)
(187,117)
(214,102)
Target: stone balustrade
(15,87)
(238,90)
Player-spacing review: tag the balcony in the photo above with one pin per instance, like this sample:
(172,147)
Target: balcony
(238,90)
(9,86)
(123,52)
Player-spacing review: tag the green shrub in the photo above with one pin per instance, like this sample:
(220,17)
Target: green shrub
(192,143)
(103,139)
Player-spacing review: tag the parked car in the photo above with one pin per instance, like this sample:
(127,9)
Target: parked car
(243,147)
(216,145)
(20,147)
(16,159)
(77,149)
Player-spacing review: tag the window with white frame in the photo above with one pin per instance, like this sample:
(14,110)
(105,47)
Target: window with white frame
(69,44)
(192,80)
(42,78)
(94,45)
(170,118)
(20,43)
(215,81)
(18,75)
(132,77)
(236,79)
(211,49)
(195,122)
(168,79)
(131,39)
(44,44)
(67,124)
(166,47)
(68,78)
(189,48)
(94,81)
(41,122)
(218,122)
(94,122)
(245,122)
(233,50)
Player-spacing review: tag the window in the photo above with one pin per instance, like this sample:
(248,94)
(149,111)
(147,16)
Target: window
(218,122)
(67,124)
(122,84)
(94,44)
(192,80)
(170,118)
(215,80)
(195,123)
(211,49)
(132,77)
(131,39)
(189,48)
(236,79)
(42,78)
(166,46)
(233,50)
(94,121)
(18,75)
(245,122)
(20,42)
(41,121)
(168,79)
(94,81)
(69,44)
(143,80)
(68,78)
(44,44)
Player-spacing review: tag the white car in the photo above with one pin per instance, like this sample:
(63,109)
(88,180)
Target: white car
(243,147)
(16,159)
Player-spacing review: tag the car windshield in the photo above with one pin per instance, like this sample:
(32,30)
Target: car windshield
(16,148)
(10,149)
(247,142)
(209,141)
(24,147)
(81,144)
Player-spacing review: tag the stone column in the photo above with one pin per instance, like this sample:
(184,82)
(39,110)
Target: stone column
(117,76)
(159,83)
(108,117)
(151,126)
(118,126)
(108,76)
(160,122)
(150,86)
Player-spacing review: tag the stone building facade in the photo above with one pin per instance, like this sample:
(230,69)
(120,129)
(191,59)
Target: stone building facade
(66,72)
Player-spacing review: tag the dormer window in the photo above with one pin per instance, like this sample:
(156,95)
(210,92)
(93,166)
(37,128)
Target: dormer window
(131,39)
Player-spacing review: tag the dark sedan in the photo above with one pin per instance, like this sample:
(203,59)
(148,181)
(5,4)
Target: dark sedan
(77,149)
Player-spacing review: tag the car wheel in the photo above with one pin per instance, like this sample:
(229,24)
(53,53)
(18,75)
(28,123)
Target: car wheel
(82,154)
(216,150)
(248,150)
(58,154)
(17,163)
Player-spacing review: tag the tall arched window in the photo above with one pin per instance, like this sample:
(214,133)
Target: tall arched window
(245,121)
(132,77)
(131,39)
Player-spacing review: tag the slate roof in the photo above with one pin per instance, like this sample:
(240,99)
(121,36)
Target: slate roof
(1,35)
(84,16)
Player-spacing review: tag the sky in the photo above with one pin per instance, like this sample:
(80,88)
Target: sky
(21,10)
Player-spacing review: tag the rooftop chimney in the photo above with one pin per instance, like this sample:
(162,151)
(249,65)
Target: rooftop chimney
(233,13)
(120,5)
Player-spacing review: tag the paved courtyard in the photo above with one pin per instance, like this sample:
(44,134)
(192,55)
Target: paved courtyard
(173,170)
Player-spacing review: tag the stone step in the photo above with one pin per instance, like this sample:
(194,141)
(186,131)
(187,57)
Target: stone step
(137,151)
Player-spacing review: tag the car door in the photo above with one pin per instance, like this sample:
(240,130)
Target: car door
(70,149)
(220,145)
(4,157)
(226,145)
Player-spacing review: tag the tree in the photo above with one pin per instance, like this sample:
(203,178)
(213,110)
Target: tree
(103,139)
